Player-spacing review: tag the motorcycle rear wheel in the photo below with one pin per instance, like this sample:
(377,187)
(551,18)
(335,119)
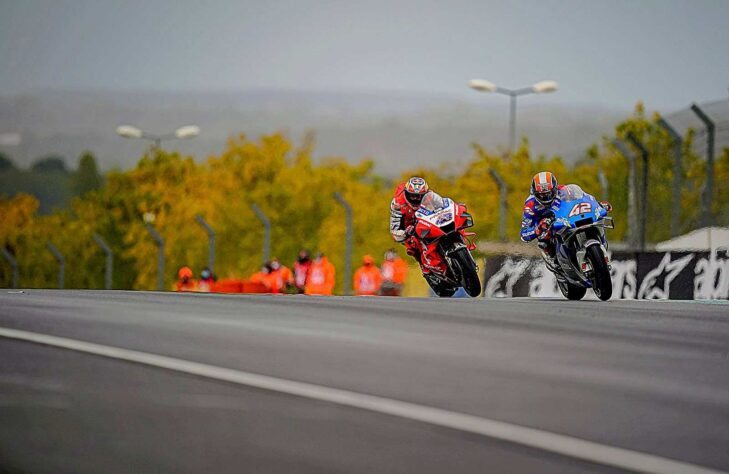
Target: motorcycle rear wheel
(570,291)
(602,284)
(469,272)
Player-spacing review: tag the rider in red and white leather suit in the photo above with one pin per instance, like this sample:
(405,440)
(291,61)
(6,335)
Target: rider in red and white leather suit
(406,201)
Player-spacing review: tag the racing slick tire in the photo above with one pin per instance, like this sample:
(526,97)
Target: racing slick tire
(468,270)
(570,291)
(602,284)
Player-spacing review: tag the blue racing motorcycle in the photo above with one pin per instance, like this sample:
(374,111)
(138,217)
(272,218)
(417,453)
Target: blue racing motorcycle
(578,224)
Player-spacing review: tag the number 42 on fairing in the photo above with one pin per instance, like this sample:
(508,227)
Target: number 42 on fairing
(580,208)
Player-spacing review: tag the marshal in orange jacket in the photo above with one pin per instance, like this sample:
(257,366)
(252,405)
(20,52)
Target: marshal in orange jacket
(320,280)
(367,278)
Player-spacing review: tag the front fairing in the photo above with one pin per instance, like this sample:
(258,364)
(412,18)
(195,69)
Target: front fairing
(435,218)
(574,213)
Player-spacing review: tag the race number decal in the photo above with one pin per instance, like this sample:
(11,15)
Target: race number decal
(581,208)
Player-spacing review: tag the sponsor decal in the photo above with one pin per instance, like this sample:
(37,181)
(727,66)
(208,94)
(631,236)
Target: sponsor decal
(444,218)
(580,208)
(647,275)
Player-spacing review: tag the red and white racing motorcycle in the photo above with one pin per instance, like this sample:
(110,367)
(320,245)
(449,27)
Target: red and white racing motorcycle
(446,247)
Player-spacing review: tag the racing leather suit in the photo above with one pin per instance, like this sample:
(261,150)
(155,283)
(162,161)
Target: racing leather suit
(402,216)
(534,212)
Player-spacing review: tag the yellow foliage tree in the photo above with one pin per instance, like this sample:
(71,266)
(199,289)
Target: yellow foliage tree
(296,193)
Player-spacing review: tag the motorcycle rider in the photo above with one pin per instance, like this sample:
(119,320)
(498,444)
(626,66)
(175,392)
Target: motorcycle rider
(406,201)
(536,223)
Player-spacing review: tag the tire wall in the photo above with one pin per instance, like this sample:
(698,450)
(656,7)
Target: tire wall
(645,275)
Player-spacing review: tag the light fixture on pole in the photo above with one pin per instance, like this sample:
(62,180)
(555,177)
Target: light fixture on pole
(130,131)
(542,87)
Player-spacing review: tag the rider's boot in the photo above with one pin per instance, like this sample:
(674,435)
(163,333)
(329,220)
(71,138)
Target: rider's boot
(423,269)
(414,251)
(549,255)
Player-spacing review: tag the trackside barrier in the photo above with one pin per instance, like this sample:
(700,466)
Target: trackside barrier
(642,275)
(237,286)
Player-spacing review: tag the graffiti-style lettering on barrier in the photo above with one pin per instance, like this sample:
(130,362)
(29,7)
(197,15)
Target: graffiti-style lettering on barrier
(646,275)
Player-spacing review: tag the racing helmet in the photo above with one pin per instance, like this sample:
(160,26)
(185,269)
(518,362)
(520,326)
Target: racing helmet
(415,189)
(544,187)
(184,272)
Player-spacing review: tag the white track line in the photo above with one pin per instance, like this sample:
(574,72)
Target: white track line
(543,440)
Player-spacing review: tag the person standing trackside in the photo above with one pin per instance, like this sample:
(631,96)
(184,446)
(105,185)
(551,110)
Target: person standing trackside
(206,281)
(301,270)
(185,281)
(262,277)
(394,273)
(367,278)
(281,275)
(320,280)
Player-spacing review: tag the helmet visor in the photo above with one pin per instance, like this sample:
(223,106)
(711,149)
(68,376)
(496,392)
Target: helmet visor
(546,197)
(414,199)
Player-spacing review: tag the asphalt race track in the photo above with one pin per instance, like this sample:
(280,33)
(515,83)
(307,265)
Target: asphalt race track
(305,384)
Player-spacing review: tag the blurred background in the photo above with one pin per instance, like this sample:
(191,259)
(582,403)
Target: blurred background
(244,118)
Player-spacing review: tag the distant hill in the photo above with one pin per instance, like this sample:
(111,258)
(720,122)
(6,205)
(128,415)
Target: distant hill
(397,130)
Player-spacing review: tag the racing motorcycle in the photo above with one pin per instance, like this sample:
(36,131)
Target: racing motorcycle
(577,222)
(446,247)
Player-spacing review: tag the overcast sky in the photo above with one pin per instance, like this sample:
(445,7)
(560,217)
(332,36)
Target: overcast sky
(614,52)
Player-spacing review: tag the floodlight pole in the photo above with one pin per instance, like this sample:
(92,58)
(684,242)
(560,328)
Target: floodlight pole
(482,85)
(61,263)
(108,271)
(211,240)
(644,188)
(160,256)
(706,214)
(513,94)
(13,264)
(677,173)
(266,231)
(603,184)
(632,202)
(348,243)
(503,204)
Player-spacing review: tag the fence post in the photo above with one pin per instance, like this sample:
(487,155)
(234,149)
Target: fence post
(348,243)
(211,240)
(266,231)
(13,263)
(603,185)
(503,204)
(677,173)
(644,188)
(160,256)
(61,263)
(108,272)
(632,203)
(706,217)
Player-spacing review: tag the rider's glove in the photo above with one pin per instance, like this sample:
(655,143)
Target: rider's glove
(399,235)
(544,229)
(410,230)
(606,205)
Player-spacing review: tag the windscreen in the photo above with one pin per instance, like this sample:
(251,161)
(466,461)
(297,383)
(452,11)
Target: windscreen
(432,201)
(571,192)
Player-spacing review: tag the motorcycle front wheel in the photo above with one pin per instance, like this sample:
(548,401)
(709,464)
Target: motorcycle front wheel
(602,284)
(469,273)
